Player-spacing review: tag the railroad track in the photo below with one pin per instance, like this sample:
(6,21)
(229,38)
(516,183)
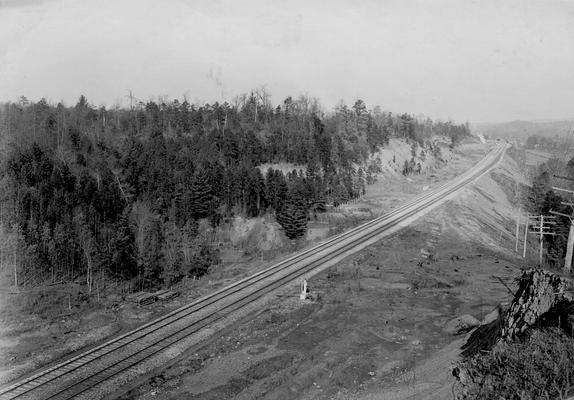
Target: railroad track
(80,374)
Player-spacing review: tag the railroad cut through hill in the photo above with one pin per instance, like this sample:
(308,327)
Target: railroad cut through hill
(376,324)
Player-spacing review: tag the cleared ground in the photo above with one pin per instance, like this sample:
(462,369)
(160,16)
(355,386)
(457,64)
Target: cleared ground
(373,322)
(374,326)
(373,319)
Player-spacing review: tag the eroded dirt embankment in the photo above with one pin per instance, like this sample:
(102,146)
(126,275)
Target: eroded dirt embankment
(376,325)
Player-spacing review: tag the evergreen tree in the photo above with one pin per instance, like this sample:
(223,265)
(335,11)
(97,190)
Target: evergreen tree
(172,254)
(123,252)
(292,216)
(183,162)
(151,259)
(255,192)
(276,188)
(340,194)
(199,198)
(537,194)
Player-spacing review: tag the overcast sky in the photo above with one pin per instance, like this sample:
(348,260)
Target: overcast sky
(484,60)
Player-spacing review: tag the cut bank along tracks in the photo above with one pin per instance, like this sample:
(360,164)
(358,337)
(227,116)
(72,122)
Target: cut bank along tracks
(82,373)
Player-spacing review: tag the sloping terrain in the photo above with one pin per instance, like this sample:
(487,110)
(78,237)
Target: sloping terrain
(375,325)
(403,279)
(40,325)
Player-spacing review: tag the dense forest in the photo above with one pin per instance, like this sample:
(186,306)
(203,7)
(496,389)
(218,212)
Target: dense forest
(131,193)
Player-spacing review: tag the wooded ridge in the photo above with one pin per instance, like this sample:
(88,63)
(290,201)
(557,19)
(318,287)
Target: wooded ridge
(133,193)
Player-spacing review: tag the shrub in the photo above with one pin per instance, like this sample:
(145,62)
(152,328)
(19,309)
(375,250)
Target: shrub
(539,366)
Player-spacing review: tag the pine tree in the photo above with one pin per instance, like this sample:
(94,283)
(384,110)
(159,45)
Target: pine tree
(292,217)
(537,194)
(151,261)
(172,255)
(340,194)
(362,117)
(199,196)
(359,183)
(123,251)
(276,188)
(255,192)
(406,168)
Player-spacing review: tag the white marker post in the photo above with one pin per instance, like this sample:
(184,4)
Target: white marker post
(303,294)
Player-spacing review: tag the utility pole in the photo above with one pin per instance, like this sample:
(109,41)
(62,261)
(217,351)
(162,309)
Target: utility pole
(543,224)
(570,243)
(525,235)
(569,248)
(541,238)
(518,196)
(517,232)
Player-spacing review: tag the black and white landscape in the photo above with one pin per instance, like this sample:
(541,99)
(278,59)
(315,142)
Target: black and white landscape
(286,200)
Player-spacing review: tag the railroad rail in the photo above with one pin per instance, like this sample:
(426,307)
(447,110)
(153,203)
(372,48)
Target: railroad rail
(81,373)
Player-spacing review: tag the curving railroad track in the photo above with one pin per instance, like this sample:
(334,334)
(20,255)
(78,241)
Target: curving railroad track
(81,375)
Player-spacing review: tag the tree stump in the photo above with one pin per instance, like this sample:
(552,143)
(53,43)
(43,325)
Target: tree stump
(539,292)
(541,301)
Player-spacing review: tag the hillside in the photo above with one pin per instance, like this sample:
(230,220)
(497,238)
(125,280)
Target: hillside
(377,325)
(44,323)
(134,195)
(100,203)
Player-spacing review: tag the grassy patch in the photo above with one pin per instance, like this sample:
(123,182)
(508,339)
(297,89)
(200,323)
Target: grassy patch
(539,367)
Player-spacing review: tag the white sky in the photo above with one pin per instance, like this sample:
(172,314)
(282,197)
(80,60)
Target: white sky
(485,60)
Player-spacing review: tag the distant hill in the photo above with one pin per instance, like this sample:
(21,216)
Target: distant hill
(522,129)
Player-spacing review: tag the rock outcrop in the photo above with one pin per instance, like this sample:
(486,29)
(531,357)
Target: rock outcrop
(541,301)
(540,297)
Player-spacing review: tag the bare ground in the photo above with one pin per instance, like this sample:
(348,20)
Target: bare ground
(377,318)
(374,328)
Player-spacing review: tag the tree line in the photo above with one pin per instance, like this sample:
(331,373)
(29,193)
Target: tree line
(541,199)
(549,143)
(135,192)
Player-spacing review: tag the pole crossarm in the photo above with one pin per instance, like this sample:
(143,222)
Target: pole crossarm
(563,177)
(561,214)
(562,189)
(540,226)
